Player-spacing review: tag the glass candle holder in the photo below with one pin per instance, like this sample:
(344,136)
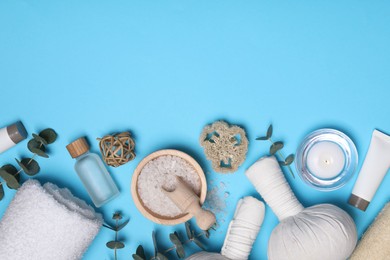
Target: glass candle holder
(326,159)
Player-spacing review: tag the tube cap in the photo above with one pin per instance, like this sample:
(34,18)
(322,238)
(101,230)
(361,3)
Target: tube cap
(78,147)
(358,202)
(17,132)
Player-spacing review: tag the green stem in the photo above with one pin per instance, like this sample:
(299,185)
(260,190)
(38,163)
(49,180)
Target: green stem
(169,249)
(200,234)
(186,242)
(284,159)
(32,158)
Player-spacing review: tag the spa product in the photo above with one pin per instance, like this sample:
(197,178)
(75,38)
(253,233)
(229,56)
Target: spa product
(162,172)
(243,229)
(47,223)
(326,159)
(203,255)
(376,240)
(241,233)
(188,202)
(319,232)
(11,135)
(92,172)
(224,145)
(375,166)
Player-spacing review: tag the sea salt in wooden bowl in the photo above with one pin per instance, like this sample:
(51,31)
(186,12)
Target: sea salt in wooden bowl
(148,213)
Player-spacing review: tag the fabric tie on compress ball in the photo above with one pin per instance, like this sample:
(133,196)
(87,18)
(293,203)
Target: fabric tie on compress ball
(47,223)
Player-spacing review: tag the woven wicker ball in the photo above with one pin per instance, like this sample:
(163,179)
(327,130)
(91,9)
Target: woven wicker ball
(117,149)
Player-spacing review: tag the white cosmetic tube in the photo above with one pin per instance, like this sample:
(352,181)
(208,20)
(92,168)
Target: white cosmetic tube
(375,166)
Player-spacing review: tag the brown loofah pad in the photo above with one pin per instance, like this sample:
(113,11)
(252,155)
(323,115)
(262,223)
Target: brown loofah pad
(117,149)
(224,145)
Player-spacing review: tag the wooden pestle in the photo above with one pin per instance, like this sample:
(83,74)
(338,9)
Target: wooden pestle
(188,202)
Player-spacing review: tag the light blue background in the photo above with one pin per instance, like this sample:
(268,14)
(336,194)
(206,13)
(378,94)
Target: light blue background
(164,69)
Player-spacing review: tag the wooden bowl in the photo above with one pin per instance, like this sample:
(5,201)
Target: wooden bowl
(152,215)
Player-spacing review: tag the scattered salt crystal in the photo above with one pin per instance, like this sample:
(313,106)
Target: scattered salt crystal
(214,202)
(162,172)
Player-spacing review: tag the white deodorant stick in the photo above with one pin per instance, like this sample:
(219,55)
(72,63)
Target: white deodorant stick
(11,135)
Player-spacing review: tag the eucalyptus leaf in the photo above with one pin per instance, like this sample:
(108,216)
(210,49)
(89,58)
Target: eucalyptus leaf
(137,257)
(160,256)
(122,225)
(141,252)
(269,132)
(263,138)
(38,148)
(108,226)
(39,139)
(1,191)
(12,170)
(117,216)
(29,166)
(155,243)
(119,245)
(115,245)
(10,179)
(188,230)
(174,237)
(275,147)
(289,160)
(180,251)
(111,244)
(198,243)
(49,135)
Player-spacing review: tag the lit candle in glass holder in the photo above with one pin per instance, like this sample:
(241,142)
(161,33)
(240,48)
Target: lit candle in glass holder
(325,160)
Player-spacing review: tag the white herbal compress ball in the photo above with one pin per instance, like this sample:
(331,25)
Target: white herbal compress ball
(319,232)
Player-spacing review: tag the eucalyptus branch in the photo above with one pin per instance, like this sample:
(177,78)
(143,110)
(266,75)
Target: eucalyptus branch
(178,245)
(279,152)
(37,145)
(276,148)
(116,244)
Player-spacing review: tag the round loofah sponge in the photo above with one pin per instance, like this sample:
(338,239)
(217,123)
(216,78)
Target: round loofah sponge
(224,145)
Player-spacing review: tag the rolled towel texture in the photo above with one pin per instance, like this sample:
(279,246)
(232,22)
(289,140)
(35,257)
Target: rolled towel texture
(46,222)
(375,243)
(243,229)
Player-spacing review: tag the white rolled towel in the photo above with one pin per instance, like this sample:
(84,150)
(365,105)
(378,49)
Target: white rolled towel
(243,229)
(46,222)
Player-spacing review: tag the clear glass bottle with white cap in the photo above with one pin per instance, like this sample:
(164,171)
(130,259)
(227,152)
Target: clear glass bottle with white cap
(12,135)
(92,172)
